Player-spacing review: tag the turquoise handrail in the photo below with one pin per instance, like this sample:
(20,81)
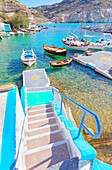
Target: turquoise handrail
(97,135)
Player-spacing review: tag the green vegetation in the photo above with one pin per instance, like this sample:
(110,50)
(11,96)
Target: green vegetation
(19,20)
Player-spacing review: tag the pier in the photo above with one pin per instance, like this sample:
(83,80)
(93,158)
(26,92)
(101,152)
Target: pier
(100,61)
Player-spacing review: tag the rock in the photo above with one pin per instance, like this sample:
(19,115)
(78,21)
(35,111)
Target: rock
(99,28)
(86,133)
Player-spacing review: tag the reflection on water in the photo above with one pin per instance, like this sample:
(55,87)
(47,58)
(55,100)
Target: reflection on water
(77,82)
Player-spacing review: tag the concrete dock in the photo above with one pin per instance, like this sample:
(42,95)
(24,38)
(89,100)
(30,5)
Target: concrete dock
(100,61)
(35,78)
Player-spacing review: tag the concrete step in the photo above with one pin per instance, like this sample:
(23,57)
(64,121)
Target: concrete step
(39,107)
(44,139)
(44,129)
(40,116)
(47,156)
(39,111)
(41,123)
(69,164)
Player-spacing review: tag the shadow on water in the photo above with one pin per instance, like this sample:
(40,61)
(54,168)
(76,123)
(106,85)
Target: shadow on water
(15,66)
(58,57)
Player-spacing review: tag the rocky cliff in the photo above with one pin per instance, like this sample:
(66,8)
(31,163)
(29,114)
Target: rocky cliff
(9,7)
(71,11)
(99,28)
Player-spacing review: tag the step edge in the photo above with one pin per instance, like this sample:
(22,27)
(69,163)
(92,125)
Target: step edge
(39,109)
(45,147)
(42,135)
(36,121)
(39,114)
(35,129)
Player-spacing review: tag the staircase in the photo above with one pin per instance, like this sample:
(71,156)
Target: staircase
(45,143)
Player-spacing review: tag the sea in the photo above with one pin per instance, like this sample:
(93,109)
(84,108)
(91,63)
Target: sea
(79,83)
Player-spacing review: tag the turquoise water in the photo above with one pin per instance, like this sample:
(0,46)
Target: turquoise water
(11,66)
(77,82)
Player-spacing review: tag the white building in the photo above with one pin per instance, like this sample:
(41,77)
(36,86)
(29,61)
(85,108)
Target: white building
(5,27)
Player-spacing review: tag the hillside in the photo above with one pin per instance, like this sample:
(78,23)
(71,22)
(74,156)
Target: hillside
(71,10)
(9,7)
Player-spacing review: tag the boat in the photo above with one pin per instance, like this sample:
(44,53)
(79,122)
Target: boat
(62,62)
(55,50)
(1,38)
(28,57)
(4,34)
(100,44)
(20,33)
(73,43)
(11,33)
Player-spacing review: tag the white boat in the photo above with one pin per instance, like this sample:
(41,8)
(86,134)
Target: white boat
(1,37)
(4,34)
(100,44)
(11,33)
(28,57)
(20,33)
(73,43)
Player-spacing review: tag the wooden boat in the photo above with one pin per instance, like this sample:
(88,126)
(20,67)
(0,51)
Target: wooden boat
(54,50)
(59,63)
(73,43)
(28,57)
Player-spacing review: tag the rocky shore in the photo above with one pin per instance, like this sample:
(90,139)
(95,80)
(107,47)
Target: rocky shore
(106,28)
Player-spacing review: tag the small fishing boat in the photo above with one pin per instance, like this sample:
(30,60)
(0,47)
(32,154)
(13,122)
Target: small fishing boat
(73,43)
(98,45)
(1,38)
(59,63)
(28,57)
(55,50)
(20,33)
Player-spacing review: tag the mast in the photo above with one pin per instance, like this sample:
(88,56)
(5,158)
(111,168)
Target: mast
(81,24)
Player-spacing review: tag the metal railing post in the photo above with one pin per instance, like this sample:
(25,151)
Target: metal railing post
(81,124)
(97,135)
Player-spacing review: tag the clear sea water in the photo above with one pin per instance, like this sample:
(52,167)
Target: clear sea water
(77,82)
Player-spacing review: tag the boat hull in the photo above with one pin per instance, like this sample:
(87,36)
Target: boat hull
(76,47)
(97,46)
(59,63)
(55,50)
(28,62)
(84,48)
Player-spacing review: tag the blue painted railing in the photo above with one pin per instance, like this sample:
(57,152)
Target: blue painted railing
(97,135)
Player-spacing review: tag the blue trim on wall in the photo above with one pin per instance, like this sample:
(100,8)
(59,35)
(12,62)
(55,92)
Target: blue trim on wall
(90,66)
(8,148)
(23,98)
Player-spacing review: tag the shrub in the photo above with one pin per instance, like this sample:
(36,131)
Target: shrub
(19,20)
